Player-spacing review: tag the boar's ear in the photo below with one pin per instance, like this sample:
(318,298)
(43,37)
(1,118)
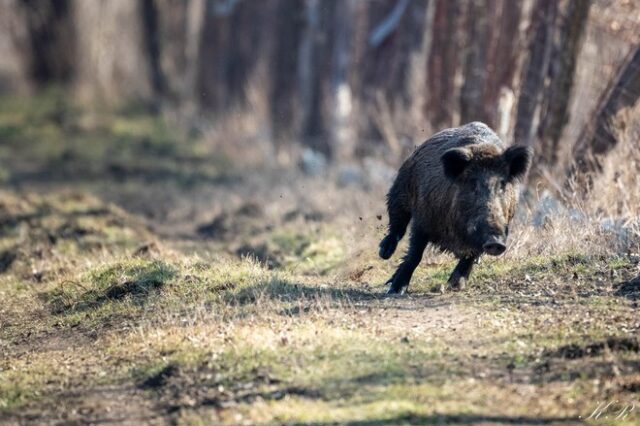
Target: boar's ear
(519,159)
(455,161)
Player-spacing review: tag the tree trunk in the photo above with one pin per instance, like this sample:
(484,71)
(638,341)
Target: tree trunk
(502,58)
(233,39)
(372,66)
(417,81)
(555,112)
(389,37)
(404,43)
(283,92)
(343,137)
(174,40)
(13,48)
(113,60)
(475,62)
(535,70)
(599,136)
(50,41)
(491,57)
(152,33)
(314,74)
(37,44)
(443,63)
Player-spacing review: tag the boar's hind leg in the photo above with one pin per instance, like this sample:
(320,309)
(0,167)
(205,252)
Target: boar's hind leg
(402,276)
(398,220)
(460,273)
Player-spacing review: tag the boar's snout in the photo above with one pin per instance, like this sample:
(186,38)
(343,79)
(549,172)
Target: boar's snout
(494,246)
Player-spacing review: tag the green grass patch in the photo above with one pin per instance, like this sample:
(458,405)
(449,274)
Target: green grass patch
(48,138)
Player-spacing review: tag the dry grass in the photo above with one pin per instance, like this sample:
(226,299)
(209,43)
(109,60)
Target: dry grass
(616,191)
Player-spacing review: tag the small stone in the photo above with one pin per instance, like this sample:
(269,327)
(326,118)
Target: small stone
(313,163)
(350,175)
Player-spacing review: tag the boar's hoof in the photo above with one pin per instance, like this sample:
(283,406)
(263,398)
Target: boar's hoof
(388,246)
(390,280)
(438,288)
(396,291)
(458,284)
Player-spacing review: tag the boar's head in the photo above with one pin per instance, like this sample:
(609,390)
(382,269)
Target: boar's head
(485,182)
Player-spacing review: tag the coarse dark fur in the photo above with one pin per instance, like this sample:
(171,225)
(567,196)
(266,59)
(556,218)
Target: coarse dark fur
(459,190)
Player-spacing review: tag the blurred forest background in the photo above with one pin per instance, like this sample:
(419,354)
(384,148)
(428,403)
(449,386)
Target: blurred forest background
(345,78)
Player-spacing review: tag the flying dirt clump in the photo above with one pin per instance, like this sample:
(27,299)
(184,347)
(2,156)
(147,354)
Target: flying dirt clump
(459,190)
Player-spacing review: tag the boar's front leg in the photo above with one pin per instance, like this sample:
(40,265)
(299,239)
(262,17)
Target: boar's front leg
(402,276)
(460,273)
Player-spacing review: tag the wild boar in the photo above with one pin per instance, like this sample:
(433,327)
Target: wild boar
(459,190)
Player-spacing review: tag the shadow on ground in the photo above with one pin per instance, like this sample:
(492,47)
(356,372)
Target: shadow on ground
(458,419)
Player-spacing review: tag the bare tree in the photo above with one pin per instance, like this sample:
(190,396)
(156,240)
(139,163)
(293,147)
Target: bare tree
(342,129)
(283,91)
(314,74)
(599,136)
(233,41)
(395,39)
(50,50)
(535,69)
(113,61)
(389,36)
(502,55)
(475,72)
(37,43)
(444,62)
(13,43)
(572,21)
